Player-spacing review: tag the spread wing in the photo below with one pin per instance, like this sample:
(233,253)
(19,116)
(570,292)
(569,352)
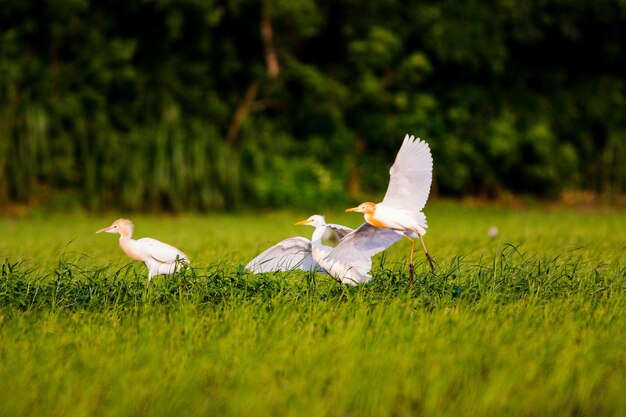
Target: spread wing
(286,255)
(351,260)
(359,246)
(161,252)
(339,230)
(410,176)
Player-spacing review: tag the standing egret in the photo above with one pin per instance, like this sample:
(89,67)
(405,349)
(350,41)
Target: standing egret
(349,262)
(407,193)
(159,257)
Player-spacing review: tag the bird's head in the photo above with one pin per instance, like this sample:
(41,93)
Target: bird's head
(315,220)
(366,208)
(122,226)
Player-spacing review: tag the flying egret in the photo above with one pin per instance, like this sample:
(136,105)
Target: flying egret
(349,262)
(407,193)
(159,257)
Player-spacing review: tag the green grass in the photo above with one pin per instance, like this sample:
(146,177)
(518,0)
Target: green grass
(529,323)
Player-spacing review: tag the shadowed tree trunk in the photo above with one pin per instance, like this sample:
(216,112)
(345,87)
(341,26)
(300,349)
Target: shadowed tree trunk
(267,35)
(242,112)
(273,70)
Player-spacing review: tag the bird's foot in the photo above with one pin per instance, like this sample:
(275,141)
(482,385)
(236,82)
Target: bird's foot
(430,262)
(411,272)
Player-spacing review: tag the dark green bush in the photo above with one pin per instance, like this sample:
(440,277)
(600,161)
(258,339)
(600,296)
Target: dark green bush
(140,104)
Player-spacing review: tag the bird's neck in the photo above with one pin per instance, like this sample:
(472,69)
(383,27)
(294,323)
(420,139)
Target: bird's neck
(125,233)
(316,239)
(126,243)
(318,250)
(370,217)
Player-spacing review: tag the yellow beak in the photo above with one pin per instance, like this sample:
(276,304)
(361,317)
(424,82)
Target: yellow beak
(106,229)
(307,221)
(353,209)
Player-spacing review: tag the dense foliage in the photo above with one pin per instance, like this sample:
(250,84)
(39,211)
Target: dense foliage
(200,104)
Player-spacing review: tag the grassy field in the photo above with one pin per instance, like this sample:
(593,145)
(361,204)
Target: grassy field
(528,323)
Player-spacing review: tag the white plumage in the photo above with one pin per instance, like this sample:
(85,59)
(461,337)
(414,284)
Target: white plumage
(295,252)
(410,176)
(407,193)
(160,258)
(349,262)
(286,255)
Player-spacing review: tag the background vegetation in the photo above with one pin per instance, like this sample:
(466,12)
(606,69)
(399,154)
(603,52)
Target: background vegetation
(196,104)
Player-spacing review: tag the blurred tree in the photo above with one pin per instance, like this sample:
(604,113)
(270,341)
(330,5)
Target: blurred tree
(194,104)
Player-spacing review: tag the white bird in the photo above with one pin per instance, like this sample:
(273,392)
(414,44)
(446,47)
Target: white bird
(407,193)
(160,258)
(295,252)
(349,262)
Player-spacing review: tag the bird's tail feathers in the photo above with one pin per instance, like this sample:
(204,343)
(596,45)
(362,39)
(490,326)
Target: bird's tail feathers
(420,224)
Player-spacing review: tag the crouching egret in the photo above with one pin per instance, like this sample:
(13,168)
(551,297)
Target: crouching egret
(160,258)
(349,262)
(407,193)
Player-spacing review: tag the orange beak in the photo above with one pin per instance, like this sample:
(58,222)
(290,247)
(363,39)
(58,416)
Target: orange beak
(307,221)
(353,209)
(106,229)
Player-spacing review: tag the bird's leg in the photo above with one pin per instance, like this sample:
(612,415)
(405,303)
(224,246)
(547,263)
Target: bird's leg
(148,283)
(430,260)
(411,267)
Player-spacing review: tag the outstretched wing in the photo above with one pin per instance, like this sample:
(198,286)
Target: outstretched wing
(160,251)
(351,260)
(363,243)
(286,255)
(339,230)
(410,176)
